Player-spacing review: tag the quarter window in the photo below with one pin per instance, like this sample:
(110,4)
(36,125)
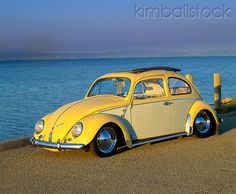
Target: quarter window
(149,89)
(178,86)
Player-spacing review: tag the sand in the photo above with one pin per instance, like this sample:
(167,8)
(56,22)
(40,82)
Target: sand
(186,165)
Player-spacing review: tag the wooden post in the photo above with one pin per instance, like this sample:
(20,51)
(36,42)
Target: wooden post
(217,91)
(189,77)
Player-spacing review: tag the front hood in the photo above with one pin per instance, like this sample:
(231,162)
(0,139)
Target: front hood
(64,118)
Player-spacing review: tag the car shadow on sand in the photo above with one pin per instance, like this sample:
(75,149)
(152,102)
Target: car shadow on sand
(229,122)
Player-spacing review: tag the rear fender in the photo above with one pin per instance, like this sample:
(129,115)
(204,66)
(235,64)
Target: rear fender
(197,107)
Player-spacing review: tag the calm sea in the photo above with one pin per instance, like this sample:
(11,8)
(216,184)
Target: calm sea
(31,89)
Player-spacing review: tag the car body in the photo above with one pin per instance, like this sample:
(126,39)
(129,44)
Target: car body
(128,108)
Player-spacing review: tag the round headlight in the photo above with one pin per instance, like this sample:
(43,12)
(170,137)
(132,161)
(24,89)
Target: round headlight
(77,129)
(39,126)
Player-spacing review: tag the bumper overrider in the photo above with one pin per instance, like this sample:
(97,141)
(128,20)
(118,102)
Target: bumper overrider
(59,146)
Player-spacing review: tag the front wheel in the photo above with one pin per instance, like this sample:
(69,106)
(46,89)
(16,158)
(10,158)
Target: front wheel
(204,125)
(105,142)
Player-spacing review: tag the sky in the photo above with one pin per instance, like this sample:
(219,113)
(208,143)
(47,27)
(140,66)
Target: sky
(79,26)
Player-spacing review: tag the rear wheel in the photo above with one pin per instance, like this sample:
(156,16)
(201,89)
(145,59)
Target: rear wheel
(204,124)
(105,142)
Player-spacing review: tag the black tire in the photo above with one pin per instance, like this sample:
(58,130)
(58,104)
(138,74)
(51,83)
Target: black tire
(105,142)
(204,124)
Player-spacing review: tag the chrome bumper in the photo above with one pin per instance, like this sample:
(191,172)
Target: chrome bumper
(220,119)
(59,146)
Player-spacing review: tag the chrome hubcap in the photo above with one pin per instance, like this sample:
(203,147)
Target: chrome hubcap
(203,122)
(106,140)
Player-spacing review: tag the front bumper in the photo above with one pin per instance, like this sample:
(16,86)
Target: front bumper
(59,146)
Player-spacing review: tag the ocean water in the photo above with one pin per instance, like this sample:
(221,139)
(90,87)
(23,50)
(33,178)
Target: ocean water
(31,89)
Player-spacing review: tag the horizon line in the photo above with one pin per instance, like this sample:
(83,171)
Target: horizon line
(115,57)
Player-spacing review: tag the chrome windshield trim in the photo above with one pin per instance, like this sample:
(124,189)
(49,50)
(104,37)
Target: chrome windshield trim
(59,146)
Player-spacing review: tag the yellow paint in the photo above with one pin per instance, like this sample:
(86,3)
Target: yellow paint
(217,91)
(197,107)
(217,80)
(134,121)
(93,123)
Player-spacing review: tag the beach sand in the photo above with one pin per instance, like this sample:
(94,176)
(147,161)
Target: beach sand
(185,165)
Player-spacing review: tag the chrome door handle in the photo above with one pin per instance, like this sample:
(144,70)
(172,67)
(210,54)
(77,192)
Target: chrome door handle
(167,103)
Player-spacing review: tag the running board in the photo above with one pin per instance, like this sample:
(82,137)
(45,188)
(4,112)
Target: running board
(160,139)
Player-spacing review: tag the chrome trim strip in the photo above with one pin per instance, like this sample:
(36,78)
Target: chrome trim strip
(221,120)
(59,146)
(159,101)
(160,139)
(114,108)
(167,100)
(176,99)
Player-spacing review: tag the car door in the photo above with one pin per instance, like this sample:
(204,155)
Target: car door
(182,100)
(151,112)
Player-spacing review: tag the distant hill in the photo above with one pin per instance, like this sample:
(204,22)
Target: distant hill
(23,55)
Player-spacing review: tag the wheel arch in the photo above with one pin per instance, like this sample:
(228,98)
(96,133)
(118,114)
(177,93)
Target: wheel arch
(93,123)
(200,106)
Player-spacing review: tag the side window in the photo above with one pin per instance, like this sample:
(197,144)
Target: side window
(178,86)
(139,88)
(149,89)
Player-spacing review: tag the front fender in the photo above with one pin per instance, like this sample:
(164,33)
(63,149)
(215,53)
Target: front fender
(93,123)
(197,107)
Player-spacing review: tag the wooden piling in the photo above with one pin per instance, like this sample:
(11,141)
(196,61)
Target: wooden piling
(189,77)
(217,91)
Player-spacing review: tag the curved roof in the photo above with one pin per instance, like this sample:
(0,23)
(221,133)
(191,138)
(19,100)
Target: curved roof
(132,76)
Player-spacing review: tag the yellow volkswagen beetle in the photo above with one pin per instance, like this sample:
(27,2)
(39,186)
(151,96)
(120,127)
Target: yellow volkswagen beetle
(128,109)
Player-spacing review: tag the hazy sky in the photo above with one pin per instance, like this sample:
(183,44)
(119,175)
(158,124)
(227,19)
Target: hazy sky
(108,25)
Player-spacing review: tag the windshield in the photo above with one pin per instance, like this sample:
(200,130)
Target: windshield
(111,86)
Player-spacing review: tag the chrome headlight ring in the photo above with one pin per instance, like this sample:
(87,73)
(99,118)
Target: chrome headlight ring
(77,129)
(39,126)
